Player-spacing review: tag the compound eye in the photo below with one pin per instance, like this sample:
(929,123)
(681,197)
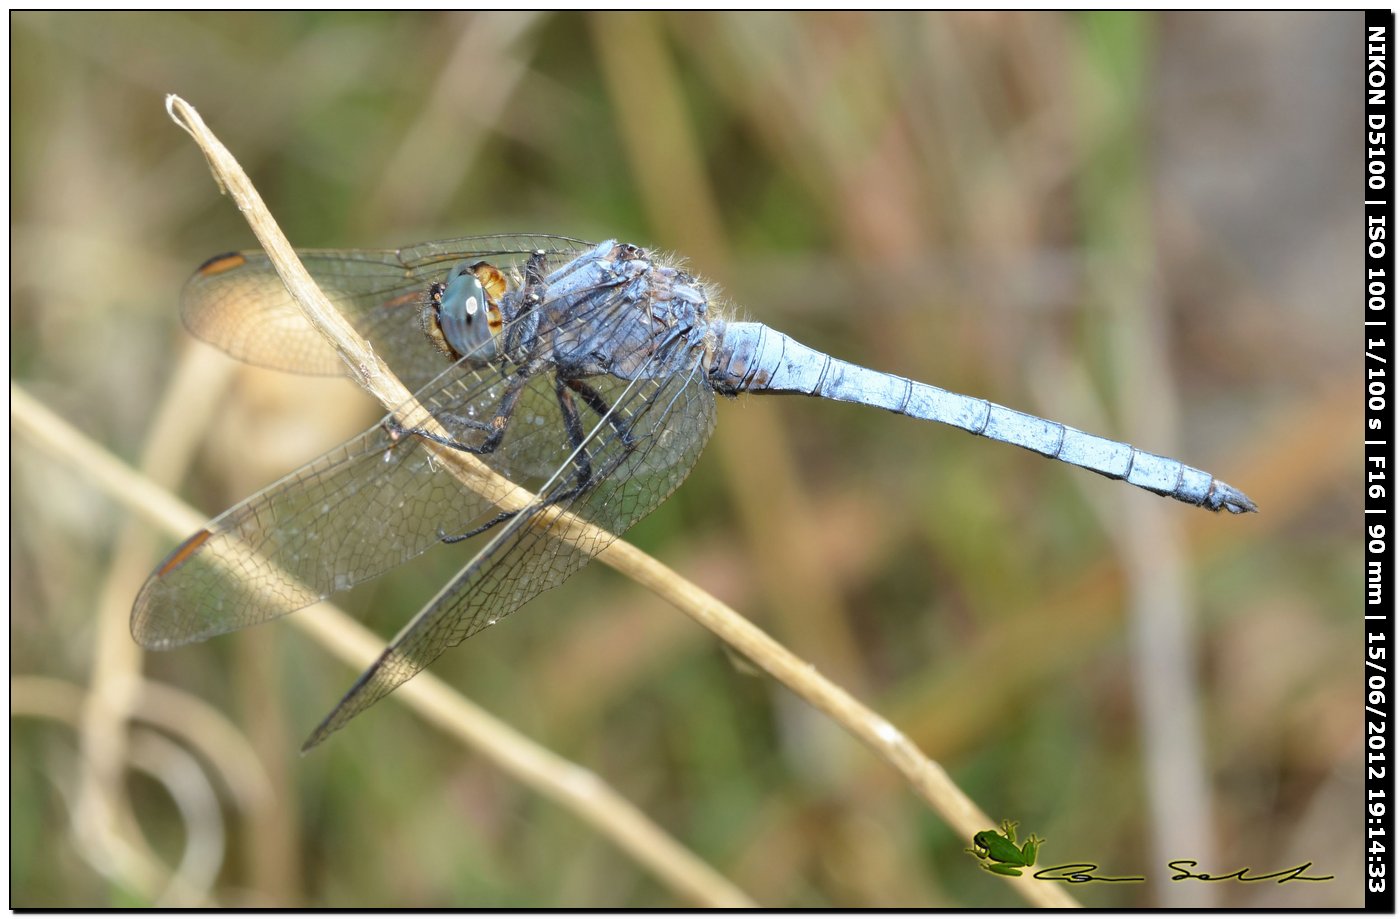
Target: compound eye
(463,315)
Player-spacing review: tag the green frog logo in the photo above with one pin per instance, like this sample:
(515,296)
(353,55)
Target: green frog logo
(999,852)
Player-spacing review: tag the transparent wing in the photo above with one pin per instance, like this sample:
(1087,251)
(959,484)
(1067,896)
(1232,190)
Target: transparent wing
(638,455)
(237,303)
(369,505)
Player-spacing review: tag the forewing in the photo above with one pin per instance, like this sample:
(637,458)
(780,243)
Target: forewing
(670,421)
(237,303)
(371,504)
(367,506)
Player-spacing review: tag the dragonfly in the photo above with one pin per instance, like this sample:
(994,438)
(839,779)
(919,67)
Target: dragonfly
(585,374)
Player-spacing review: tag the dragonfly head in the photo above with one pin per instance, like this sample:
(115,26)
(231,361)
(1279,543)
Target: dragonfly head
(460,318)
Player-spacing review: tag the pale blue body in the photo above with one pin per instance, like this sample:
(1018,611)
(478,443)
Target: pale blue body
(750,357)
(585,374)
(756,358)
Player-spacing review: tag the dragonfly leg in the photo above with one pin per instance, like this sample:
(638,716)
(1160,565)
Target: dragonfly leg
(620,422)
(586,476)
(495,429)
(579,486)
(581,482)
(573,426)
(594,400)
(495,521)
(534,269)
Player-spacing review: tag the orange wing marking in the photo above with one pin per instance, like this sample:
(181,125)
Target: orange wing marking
(412,298)
(183,552)
(221,263)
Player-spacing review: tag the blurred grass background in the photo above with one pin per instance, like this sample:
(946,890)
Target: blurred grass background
(1141,225)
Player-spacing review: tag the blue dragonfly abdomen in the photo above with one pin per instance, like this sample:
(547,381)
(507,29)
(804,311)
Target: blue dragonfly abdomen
(754,358)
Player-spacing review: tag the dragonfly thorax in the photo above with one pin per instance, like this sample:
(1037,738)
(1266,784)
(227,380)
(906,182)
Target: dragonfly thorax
(616,310)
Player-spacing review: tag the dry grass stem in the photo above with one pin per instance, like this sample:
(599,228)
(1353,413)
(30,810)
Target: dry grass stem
(102,803)
(123,854)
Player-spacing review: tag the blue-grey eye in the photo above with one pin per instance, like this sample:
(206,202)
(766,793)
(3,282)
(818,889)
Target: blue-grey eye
(461,317)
